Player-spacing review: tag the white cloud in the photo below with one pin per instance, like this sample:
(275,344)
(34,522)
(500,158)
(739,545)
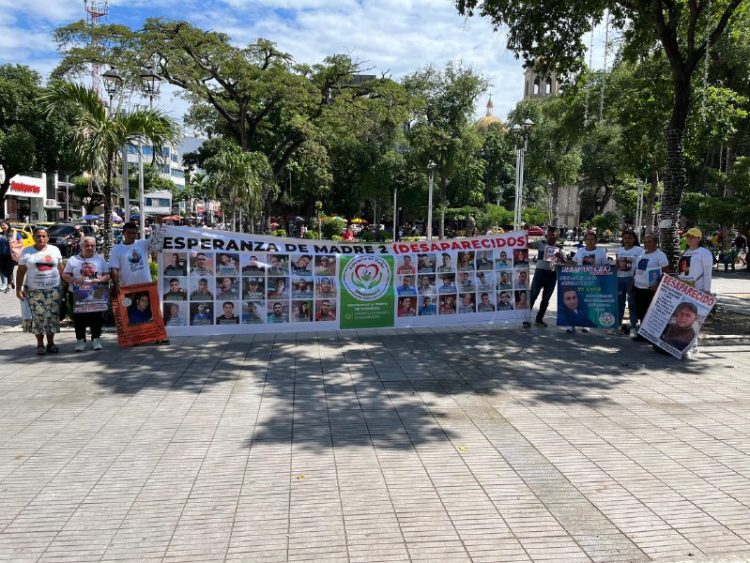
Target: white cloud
(395,36)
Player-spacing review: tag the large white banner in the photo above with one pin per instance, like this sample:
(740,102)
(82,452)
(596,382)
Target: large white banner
(676,315)
(217,282)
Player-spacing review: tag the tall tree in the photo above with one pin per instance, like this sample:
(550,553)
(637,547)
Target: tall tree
(445,107)
(550,33)
(99,135)
(30,141)
(241,180)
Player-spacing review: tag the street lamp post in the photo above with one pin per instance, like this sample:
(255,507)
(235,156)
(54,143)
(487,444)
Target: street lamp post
(151,82)
(521,133)
(113,85)
(431,168)
(395,211)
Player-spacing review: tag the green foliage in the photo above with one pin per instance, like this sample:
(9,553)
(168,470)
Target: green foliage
(311,235)
(98,136)
(534,216)
(29,139)
(609,221)
(332,226)
(239,179)
(154,269)
(279,233)
(494,216)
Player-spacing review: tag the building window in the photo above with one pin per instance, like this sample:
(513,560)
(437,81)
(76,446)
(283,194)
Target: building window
(537,86)
(177,173)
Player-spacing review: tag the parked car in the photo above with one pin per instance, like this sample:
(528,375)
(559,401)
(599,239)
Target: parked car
(536,231)
(25,234)
(60,236)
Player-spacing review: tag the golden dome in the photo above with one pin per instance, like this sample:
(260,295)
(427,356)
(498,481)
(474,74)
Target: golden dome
(489,119)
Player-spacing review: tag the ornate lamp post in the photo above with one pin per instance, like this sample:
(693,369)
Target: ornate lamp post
(113,85)
(521,133)
(151,83)
(431,168)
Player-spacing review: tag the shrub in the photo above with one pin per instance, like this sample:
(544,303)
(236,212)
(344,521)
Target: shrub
(279,233)
(332,226)
(312,235)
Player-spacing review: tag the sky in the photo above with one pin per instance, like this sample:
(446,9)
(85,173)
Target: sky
(396,37)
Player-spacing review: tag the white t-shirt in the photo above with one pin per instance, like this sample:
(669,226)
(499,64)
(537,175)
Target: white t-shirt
(648,268)
(626,260)
(41,267)
(695,268)
(596,257)
(132,261)
(86,268)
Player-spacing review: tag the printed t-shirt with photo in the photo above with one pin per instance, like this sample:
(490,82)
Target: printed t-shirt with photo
(695,268)
(132,261)
(596,257)
(41,267)
(86,268)
(547,256)
(648,268)
(627,260)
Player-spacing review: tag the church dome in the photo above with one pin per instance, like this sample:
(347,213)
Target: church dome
(489,119)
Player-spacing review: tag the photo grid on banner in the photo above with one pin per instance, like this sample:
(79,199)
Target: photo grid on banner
(214,282)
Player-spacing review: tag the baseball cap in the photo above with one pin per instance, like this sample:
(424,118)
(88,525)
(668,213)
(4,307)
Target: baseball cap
(694,232)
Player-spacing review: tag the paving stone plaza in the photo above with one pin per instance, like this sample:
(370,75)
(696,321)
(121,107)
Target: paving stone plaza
(458,444)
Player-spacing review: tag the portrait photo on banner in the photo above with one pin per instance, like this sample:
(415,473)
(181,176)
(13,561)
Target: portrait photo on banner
(139,316)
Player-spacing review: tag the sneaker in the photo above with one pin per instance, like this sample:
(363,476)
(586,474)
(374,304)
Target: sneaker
(625,329)
(96,344)
(80,346)
(585,329)
(526,324)
(540,322)
(570,329)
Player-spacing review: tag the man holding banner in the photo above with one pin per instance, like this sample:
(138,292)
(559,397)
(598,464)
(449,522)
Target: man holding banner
(545,276)
(129,267)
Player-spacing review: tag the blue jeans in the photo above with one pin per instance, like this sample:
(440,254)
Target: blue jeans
(622,296)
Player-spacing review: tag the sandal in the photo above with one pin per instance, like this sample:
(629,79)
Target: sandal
(41,350)
(52,349)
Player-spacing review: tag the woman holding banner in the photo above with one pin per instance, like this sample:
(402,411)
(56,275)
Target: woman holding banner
(626,258)
(648,270)
(695,265)
(87,275)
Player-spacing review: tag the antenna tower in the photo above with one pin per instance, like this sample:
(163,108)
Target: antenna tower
(96,11)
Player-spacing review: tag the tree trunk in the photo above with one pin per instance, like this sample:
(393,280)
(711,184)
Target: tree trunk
(674,178)
(651,203)
(443,202)
(555,201)
(107,229)
(731,159)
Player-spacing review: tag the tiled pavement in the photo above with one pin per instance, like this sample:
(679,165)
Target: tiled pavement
(457,444)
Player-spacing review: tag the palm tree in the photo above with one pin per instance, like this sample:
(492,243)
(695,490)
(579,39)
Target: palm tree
(99,137)
(242,181)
